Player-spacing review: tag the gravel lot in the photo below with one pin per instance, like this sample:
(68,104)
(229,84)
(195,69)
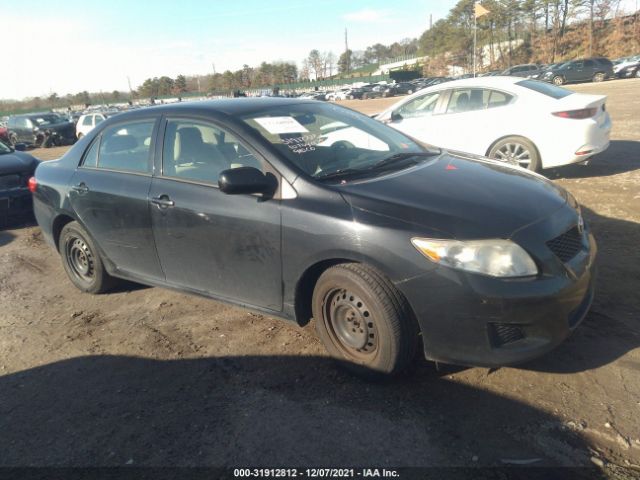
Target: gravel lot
(146,376)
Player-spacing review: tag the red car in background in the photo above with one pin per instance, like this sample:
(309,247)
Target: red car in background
(4,134)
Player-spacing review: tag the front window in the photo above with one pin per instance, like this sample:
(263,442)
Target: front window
(199,151)
(328,141)
(422,106)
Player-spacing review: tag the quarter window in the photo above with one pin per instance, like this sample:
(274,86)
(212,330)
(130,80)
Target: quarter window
(126,147)
(419,107)
(498,99)
(91,157)
(87,122)
(199,151)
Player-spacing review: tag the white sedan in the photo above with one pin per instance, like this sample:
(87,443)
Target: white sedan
(537,124)
(87,122)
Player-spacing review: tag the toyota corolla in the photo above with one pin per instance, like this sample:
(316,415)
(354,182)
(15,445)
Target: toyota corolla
(302,210)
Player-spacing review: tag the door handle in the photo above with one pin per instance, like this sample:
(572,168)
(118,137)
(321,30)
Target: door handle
(80,188)
(163,201)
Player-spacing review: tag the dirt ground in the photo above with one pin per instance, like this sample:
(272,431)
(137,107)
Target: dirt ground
(145,376)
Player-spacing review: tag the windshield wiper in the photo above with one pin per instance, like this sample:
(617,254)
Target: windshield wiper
(399,157)
(345,172)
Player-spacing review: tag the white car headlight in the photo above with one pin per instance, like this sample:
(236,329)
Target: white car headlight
(496,258)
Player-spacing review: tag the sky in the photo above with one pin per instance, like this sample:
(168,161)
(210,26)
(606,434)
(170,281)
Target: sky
(90,45)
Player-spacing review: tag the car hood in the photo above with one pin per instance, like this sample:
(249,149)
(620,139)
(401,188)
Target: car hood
(464,196)
(17,162)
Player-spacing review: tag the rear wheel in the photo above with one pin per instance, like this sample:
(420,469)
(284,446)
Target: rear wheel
(517,149)
(81,260)
(13,139)
(363,320)
(558,80)
(80,135)
(599,77)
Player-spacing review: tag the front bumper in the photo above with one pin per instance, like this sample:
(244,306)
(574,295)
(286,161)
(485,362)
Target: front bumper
(469,319)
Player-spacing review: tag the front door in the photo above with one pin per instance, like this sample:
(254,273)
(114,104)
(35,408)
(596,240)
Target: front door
(109,192)
(224,245)
(416,118)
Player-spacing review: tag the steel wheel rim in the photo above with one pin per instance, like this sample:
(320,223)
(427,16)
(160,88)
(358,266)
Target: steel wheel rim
(557,81)
(80,259)
(514,152)
(350,324)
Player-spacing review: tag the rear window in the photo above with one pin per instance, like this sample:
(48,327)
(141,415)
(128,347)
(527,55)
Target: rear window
(545,88)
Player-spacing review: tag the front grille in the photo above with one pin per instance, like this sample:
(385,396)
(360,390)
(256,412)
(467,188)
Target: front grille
(567,245)
(502,333)
(10,181)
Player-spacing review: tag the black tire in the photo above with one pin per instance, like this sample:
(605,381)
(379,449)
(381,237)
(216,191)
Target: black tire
(558,80)
(13,139)
(638,73)
(364,321)
(599,77)
(519,149)
(81,260)
(80,135)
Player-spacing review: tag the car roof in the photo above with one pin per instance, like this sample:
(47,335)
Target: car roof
(231,106)
(488,82)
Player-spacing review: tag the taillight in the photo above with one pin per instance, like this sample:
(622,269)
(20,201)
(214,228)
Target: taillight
(577,114)
(32,184)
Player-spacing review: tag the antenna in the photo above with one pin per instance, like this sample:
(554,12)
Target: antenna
(346,50)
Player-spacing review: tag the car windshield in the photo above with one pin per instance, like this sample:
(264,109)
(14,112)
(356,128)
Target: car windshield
(329,142)
(42,120)
(4,149)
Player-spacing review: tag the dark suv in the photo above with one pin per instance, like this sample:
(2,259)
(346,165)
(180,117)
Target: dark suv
(586,70)
(527,70)
(41,130)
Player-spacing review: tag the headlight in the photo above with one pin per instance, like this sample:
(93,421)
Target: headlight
(496,258)
(548,74)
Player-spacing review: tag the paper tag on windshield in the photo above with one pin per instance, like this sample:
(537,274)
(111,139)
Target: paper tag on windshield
(278,125)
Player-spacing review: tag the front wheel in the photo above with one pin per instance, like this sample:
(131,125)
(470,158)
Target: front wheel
(599,77)
(13,139)
(517,149)
(363,320)
(81,260)
(558,80)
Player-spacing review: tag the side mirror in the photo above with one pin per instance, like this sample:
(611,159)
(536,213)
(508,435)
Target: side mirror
(246,180)
(395,116)
(20,147)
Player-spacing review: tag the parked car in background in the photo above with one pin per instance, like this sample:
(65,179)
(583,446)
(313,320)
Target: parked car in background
(87,122)
(629,67)
(392,248)
(16,168)
(527,70)
(531,122)
(4,134)
(40,130)
(491,73)
(401,88)
(595,69)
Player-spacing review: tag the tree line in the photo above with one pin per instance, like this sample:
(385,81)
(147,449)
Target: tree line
(515,31)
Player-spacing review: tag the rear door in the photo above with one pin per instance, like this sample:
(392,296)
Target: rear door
(474,118)
(223,245)
(109,193)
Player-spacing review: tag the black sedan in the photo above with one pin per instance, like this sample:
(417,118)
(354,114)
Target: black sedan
(305,209)
(41,130)
(16,168)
